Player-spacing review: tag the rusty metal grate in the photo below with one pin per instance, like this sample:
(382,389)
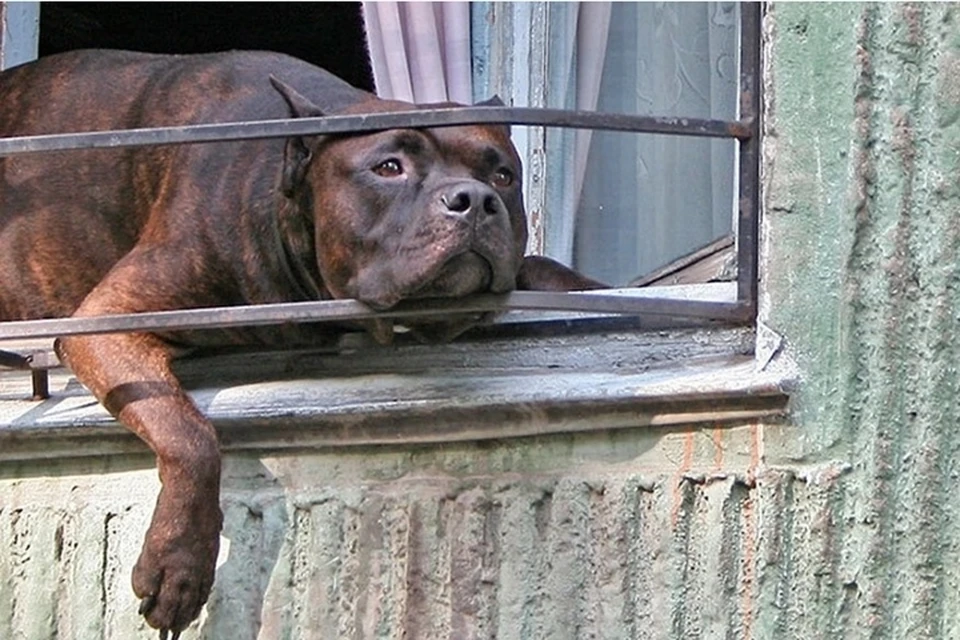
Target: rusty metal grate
(745,131)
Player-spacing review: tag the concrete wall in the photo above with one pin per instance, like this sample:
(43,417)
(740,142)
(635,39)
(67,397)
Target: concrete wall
(841,523)
(862,228)
(601,536)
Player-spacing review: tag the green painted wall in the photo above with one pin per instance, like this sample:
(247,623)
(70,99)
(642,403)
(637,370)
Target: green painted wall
(861,274)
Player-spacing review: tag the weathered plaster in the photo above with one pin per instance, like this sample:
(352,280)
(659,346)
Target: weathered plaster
(861,272)
(557,536)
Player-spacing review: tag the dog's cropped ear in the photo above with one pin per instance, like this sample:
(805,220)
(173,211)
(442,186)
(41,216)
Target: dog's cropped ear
(297,154)
(300,105)
(538,273)
(495,101)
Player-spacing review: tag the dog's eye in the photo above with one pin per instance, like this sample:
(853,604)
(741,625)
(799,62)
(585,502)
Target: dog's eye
(389,168)
(502,178)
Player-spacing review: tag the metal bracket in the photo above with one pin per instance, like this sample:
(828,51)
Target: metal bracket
(38,363)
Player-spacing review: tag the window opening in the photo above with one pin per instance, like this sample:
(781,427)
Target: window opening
(637,203)
(745,131)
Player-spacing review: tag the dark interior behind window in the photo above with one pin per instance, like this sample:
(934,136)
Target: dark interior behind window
(327,34)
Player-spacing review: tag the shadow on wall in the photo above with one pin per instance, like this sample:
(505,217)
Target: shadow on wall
(255,523)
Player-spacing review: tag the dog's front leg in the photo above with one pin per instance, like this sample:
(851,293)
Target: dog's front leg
(130,374)
(538,273)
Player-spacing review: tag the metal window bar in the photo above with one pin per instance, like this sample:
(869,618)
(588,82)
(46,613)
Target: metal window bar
(745,131)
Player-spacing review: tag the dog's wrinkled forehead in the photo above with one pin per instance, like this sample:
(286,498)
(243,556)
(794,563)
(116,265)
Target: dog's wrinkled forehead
(454,138)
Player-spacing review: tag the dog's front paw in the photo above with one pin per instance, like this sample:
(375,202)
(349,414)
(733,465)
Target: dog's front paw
(174,573)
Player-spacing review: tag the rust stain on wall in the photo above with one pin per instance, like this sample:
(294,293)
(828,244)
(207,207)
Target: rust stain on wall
(716,435)
(677,489)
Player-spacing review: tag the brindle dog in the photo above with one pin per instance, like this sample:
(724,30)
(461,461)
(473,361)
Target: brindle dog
(380,217)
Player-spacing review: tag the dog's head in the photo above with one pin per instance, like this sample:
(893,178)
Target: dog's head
(410,213)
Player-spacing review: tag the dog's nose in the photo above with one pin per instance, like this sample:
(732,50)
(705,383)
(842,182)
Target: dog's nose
(471,200)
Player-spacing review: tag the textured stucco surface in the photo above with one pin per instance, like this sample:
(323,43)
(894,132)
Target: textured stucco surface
(842,523)
(862,227)
(601,535)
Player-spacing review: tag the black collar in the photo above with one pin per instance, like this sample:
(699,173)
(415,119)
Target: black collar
(296,272)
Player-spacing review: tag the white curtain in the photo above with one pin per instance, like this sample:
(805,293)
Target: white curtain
(647,200)
(577,35)
(420,51)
